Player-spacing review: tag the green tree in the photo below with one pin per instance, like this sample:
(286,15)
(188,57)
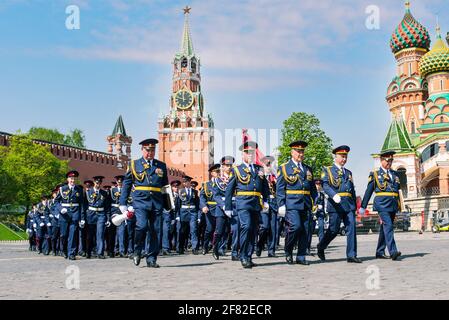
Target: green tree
(75,138)
(306,127)
(31,170)
(6,184)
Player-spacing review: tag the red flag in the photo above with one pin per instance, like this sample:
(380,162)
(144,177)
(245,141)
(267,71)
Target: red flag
(259,154)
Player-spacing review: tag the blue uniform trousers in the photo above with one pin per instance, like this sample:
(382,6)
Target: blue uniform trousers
(194,231)
(248,220)
(335,219)
(166,231)
(69,233)
(147,221)
(297,226)
(211,223)
(386,234)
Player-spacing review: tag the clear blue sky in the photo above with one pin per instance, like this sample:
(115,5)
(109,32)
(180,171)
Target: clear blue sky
(261,61)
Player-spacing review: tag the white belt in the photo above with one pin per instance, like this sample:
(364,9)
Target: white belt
(96,209)
(115,205)
(223,198)
(187,207)
(70,204)
(271,196)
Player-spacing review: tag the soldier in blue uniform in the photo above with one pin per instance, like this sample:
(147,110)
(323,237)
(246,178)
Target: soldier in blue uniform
(97,213)
(70,200)
(222,221)
(250,187)
(146,176)
(82,245)
(29,222)
(385,183)
(54,220)
(208,205)
(115,193)
(295,193)
(111,229)
(341,206)
(43,226)
(188,214)
(320,213)
(268,220)
(168,222)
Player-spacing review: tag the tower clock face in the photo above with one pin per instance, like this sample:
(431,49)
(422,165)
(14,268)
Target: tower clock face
(183,99)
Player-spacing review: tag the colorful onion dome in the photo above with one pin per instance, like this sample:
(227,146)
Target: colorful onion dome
(409,34)
(437,59)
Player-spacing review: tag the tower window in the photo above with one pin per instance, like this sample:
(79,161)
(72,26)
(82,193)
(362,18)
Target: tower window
(409,69)
(441,119)
(441,85)
(193,66)
(413,127)
(184,63)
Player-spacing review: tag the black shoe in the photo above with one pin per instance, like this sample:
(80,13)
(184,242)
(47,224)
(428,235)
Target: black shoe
(101,256)
(215,255)
(396,255)
(180,251)
(258,252)
(55,253)
(354,260)
(235,258)
(246,264)
(165,252)
(252,264)
(303,262)
(195,252)
(121,255)
(39,252)
(320,253)
(72,258)
(152,264)
(205,251)
(82,254)
(65,255)
(136,259)
(289,259)
(88,256)
(130,256)
(271,255)
(111,255)
(382,256)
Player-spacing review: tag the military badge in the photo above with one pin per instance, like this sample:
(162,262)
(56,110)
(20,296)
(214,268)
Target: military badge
(159,172)
(146,166)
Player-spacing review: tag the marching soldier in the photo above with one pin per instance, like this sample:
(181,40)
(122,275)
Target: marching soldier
(295,191)
(97,211)
(29,222)
(146,176)
(115,204)
(169,221)
(82,245)
(268,220)
(111,229)
(384,182)
(339,187)
(251,196)
(54,220)
(320,213)
(187,207)
(208,205)
(70,201)
(221,219)
(43,226)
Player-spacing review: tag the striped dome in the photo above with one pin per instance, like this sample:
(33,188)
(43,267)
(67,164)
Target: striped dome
(437,59)
(409,34)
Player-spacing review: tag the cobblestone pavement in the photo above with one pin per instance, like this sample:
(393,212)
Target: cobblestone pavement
(421,273)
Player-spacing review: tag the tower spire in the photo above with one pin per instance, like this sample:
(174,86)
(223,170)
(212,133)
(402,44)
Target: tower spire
(407,5)
(187,44)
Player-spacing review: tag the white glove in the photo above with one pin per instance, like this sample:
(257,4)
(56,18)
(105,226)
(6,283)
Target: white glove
(29,231)
(81,223)
(63,210)
(199,220)
(178,219)
(57,216)
(34,225)
(41,224)
(123,209)
(362,211)
(228,213)
(320,207)
(205,210)
(49,224)
(108,224)
(50,215)
(337,198)
(266,207)
(173,222)
(281,211)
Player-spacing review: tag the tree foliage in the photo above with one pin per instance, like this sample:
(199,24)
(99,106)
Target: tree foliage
(75,138)
(29,170)
(306,127)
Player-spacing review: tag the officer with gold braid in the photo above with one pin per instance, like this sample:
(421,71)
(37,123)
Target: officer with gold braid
(250,186)
(146,176)
(208,205)
(341,206)
(384,182)
(295,191)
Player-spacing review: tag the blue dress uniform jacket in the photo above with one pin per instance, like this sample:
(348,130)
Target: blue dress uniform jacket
(250,188)
(295,187)
(42,215)
(146,183)
(386,189)
(219,192)
(186,205)
(97,203)
(71,200)
(335,181)
(115,199)
(207,197)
